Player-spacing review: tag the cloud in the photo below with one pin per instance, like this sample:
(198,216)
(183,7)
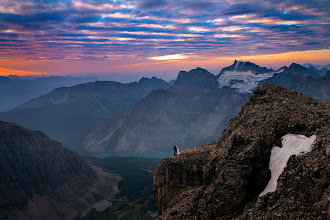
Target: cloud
(170,57)
(148,28)
(150,4)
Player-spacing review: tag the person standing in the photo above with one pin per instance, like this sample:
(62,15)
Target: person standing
(175,150)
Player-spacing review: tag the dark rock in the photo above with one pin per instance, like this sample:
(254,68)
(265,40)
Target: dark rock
(35,169)
(241,66)
(236,172)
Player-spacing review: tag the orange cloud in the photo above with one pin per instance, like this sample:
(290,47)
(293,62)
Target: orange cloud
(7,72)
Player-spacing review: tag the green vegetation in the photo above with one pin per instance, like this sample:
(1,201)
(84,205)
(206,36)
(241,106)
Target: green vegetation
(135,198)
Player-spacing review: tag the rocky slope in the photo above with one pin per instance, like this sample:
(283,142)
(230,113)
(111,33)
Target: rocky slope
(225,180)
(68,114)
(39,179)
(194,111)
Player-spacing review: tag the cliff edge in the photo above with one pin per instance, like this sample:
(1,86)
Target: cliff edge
(223,180)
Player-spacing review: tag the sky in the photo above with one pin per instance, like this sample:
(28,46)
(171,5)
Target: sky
(158,37)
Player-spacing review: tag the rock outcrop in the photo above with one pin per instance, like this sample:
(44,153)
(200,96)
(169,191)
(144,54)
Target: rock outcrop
(39,179)
(230,176)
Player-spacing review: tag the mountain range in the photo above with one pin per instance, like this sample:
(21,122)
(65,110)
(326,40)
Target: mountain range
(16,90)
(152,115)
(192,111)
(195,110)
(68,114)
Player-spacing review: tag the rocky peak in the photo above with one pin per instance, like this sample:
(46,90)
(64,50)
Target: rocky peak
(312,68)
(242,66)
(236,171)
(243,76)
(298,70)
(153,83)
(297,67)
(197,78)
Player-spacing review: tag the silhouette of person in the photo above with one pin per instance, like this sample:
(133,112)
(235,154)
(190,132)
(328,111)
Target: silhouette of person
(175,150)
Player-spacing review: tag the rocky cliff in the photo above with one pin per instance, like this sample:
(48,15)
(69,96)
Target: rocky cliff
(39,179)
(223,180)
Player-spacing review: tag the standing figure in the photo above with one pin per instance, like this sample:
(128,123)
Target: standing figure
(177,150)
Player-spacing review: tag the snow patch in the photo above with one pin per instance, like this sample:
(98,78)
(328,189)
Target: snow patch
(243,81)
(237,64)
(292,144)
(280,70)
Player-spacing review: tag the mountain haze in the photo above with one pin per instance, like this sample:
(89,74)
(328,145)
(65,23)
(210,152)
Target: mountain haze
(193,111)
(67,114)
(16,90)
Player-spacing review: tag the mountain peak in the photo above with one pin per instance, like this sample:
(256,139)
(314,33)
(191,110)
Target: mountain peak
(198,77)
(146,79)
(297,66)
(243,76)
(245,66)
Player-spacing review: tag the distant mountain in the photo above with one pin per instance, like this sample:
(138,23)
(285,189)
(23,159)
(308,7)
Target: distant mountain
(243,76)
(41,180)
(242,66)
(303,80)
(197,78)
(298,70)
(321,72)
(68,114)
(307,65)
(193,111)
(16,90)
(197,107)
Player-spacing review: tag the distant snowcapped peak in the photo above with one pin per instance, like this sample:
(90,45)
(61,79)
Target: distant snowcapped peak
(243,76)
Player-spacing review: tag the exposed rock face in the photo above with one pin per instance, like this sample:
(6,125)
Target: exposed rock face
(197,78)
(241,66)
(68,114)
(237,170)
(243,76)
(36,171)
(180,172)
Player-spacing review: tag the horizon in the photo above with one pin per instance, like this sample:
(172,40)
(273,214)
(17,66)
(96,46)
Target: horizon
(135,77)
(131,37)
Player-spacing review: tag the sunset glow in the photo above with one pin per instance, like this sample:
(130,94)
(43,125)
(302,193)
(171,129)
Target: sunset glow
(79,36)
